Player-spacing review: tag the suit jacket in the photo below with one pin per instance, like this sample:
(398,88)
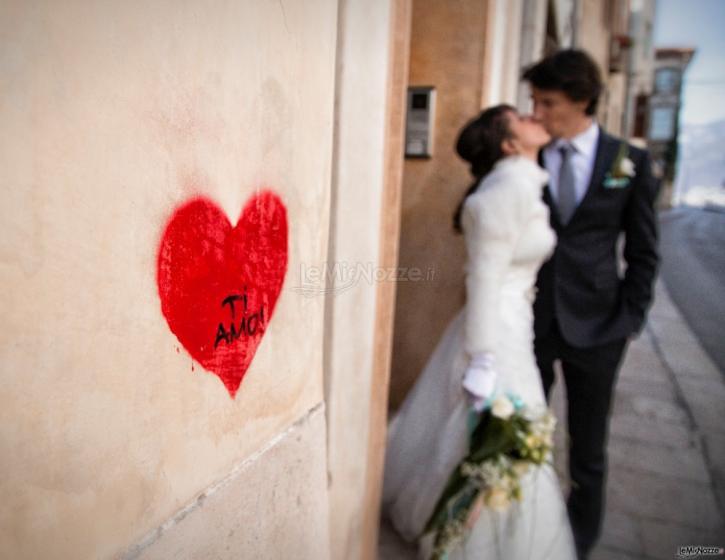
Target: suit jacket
(580,284)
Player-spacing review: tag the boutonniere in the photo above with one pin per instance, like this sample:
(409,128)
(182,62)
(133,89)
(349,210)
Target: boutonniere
(622,170)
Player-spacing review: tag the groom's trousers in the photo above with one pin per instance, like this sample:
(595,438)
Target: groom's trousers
(589,376)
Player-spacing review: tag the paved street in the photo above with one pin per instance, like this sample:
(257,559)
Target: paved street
(693,269)
(667,447)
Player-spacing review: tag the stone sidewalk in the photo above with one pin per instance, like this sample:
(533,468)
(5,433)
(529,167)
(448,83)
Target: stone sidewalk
(666,484)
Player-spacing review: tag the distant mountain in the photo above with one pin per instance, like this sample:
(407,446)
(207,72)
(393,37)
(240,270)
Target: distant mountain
(701,167)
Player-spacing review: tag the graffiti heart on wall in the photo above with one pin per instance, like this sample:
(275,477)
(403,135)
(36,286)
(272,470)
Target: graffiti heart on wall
(219,284)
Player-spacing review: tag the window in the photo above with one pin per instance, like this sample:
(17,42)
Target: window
(662,124)
(666,80)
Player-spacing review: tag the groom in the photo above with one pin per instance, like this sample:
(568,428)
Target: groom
(586,310)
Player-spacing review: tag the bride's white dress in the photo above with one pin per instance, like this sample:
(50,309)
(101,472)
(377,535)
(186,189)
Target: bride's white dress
(507,233)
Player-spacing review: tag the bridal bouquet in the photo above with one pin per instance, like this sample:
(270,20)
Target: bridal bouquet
(505,440)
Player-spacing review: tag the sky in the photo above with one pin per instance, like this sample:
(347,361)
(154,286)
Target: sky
(699,24)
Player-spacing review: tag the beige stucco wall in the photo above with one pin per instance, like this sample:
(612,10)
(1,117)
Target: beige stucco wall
(113,114)
(357,270)
(267,508)
(447,52)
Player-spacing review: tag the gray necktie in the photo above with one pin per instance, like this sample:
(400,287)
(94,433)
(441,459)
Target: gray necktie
(567,192)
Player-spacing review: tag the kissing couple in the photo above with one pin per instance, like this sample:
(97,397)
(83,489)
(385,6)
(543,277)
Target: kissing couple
(468,469)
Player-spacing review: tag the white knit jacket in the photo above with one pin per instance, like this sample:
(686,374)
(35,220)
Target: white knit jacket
(493,220)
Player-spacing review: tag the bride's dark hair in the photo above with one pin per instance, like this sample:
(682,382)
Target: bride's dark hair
(479,143)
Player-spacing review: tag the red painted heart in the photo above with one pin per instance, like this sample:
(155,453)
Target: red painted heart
(219,284)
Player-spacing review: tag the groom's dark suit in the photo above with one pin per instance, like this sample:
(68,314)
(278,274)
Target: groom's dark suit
(585,312)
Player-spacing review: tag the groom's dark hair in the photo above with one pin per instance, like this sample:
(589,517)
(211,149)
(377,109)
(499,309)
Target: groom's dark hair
(570,71)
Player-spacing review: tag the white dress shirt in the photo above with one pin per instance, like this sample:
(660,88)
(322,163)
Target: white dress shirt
(585,146)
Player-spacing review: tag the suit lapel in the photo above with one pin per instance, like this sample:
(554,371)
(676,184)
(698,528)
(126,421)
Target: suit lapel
(607,148)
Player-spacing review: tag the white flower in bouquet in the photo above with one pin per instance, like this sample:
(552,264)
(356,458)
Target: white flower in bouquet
(545,428)
(533,441)
(495,473)
(497,498)
(502,407)
(548,422)
(521,468)
(488,473)
(547,438)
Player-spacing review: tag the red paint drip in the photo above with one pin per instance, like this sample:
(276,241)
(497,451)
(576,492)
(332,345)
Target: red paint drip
(219,284)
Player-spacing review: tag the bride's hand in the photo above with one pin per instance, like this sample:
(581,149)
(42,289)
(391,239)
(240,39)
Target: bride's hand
(479,380)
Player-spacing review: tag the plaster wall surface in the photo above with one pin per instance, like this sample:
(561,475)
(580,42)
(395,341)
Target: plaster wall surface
(114,114)
(269,507)
(353,273)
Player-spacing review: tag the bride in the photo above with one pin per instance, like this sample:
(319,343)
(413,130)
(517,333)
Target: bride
(486,350)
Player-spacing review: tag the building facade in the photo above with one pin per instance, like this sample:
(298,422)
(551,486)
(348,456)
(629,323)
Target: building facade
(664,108)
(640,70)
